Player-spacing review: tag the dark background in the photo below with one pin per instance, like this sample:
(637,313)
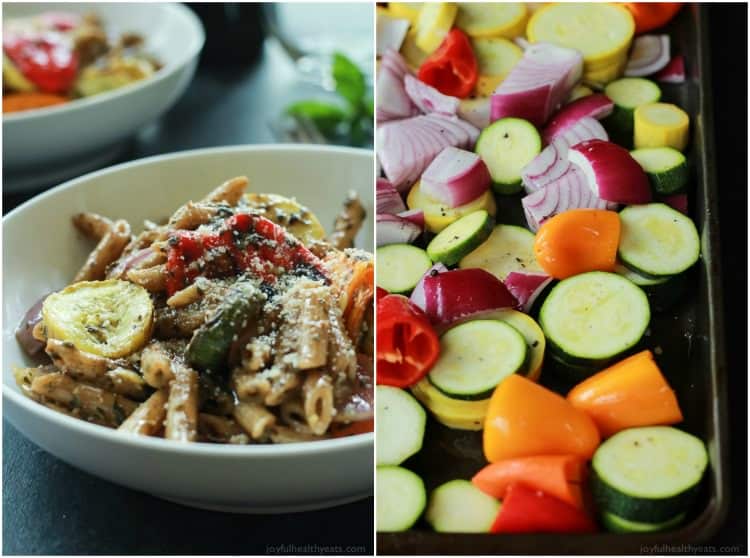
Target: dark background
(51,508)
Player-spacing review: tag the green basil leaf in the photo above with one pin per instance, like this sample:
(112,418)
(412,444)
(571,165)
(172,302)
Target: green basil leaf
(350,83)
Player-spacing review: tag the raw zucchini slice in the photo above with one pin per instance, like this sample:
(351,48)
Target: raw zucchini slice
(507,146)
(401,499)
(662,292)
(400,267)
(657,241)
(460,507)
(508,248)
(289,213)
(399,425)
(594,316)
(628,94)
(665,167)
(207,350)
(648,474)
(110,318)
(476,356)
(460,238)
(617,524)
(532,334)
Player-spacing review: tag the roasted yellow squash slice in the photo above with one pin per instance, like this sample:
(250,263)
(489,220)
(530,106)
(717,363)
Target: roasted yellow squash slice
(110,318)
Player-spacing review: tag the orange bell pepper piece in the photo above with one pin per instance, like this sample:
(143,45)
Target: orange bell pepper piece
(561,476)
(15,102)
(630,393)
(577,241)
(652,15)
(526,419)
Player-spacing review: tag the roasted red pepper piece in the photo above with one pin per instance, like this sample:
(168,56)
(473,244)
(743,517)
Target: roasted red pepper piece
(46,60)
(246,242)
(407,345)
(526,510)
(452,69)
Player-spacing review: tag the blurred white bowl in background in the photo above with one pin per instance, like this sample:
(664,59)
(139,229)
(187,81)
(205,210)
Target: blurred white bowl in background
(46,144)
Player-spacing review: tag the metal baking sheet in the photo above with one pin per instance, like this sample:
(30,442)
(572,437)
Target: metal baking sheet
(691,339)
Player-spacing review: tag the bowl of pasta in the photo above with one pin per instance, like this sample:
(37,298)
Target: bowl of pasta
(80,79)
(198,325)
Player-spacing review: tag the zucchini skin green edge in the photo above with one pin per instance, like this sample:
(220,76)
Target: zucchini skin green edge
(634,508)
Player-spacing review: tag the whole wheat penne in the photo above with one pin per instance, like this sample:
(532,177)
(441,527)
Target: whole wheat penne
(95,370)
(317,393)
(156,365)
(229,192)
(182,406)
(281,384)
(188,295)
(292,413)
(214,428)
(313,330)
(25,376)
(348,223)
(125,382)
(191,216)
(153,279)
(92,225)
(254,418)
(89,402)
(250,385)
(148,418)
(170,323)
(110,248)
(79,364)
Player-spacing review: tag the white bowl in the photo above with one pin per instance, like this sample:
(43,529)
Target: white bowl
(82,134)
(41,252)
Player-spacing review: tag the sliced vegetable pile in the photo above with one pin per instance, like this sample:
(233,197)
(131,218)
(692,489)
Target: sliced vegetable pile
(561,110)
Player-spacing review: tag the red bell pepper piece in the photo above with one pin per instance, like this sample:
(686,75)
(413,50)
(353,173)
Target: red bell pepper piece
(452,69)
(407,345)
(244,242)
(45,60)
(526,510)
(380,293)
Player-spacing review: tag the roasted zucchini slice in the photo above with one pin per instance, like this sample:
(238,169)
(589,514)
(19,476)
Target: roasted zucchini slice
(288,213)
(110,318)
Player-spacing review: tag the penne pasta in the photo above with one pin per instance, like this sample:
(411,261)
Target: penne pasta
(92,225)
(153,279)
(348,223)
(148,417)
(213,428)
(254,419)
(182,406)
(110,248)
(317,393)
(89,402)
(230,192)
